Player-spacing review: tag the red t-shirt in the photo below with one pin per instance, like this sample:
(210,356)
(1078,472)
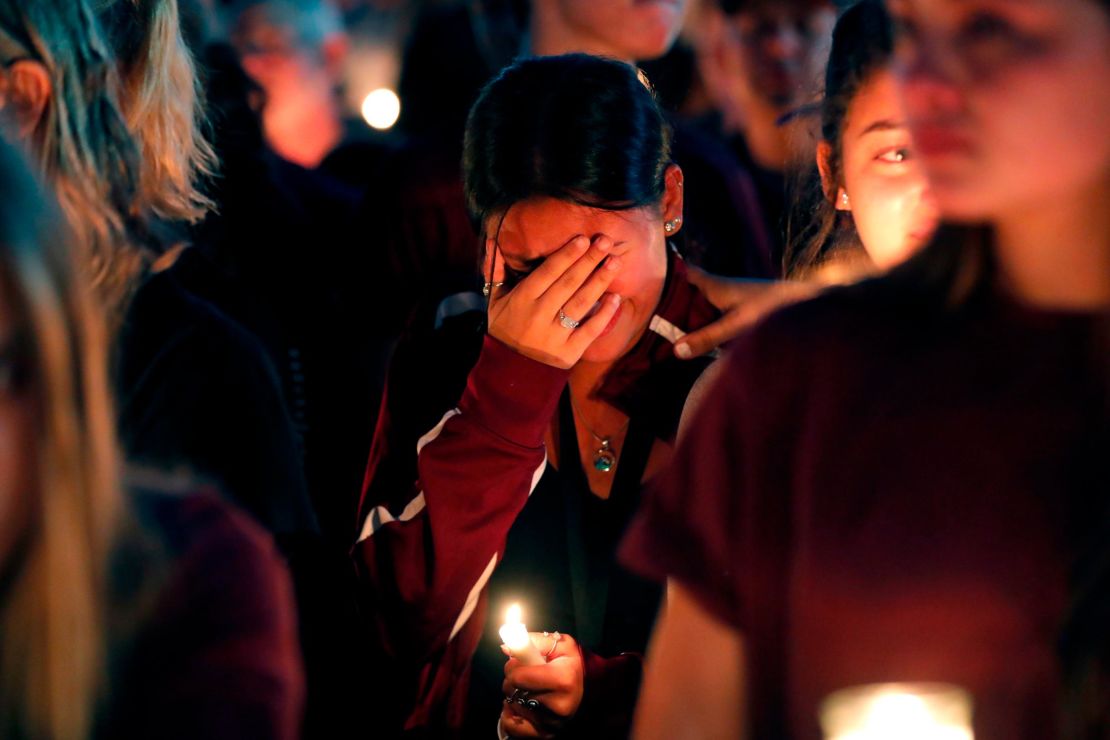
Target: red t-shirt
(883,491)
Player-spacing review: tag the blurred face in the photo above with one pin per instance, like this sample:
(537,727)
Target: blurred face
(16,433)
(626,29)
(781,43)
(886,189)
(274,57)
(1008,100)
(535,228)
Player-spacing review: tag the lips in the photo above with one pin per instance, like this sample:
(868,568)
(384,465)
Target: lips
(612,322)
(924,231)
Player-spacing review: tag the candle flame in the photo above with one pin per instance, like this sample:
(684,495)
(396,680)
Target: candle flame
(514,615)
(903,711)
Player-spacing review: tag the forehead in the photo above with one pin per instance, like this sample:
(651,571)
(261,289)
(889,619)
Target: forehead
(877,100)
(539,226)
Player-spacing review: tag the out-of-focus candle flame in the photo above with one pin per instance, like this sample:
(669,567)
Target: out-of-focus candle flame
(898,712)
(381,108)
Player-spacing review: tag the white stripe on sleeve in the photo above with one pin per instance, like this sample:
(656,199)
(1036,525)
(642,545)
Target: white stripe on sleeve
(381,516)
(472,598)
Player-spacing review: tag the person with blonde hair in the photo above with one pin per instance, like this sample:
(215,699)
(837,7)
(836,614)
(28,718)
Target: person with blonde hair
(162,103)
(59,501)
(106,598)
(60,95)
(195,390)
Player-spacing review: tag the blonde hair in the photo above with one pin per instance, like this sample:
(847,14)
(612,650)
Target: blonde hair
(82,144)
(163,104)
(53,615)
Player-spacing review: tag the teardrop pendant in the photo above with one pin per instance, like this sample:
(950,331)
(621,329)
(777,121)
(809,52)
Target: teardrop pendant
(604,459)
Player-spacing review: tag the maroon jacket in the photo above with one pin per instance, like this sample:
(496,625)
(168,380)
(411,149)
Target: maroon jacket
(885,489)
(204,625)
(448,476)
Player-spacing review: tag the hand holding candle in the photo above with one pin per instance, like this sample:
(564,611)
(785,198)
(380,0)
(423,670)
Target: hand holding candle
(515,636)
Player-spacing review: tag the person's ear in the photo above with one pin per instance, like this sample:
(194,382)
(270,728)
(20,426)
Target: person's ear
(833,192)
(28,93)
(672,199)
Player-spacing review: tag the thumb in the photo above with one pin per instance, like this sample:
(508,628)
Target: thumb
(708,338)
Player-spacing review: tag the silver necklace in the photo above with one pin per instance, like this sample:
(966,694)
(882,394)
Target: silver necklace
(605,457)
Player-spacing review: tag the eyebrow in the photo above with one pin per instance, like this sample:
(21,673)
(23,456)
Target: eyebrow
(884,125)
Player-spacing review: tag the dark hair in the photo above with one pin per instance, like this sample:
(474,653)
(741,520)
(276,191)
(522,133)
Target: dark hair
(862,44)
(578,128)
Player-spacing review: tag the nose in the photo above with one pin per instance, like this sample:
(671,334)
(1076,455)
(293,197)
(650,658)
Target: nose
(785,43)
(927,206)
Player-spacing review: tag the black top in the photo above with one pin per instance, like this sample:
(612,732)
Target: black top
(196,391)
(726,228)
(560,562)
(770,187)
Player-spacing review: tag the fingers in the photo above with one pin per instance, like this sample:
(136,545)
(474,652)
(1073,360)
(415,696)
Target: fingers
(583,300)
(547,695)
(537,679)
(488,257)
(515,723)
(708,338)
(577,273)
(493,271)
(745,304)
(556,263)
(591,328)
(697,277)
(546,705)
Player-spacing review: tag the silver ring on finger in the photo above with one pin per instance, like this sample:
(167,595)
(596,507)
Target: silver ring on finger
(567,322)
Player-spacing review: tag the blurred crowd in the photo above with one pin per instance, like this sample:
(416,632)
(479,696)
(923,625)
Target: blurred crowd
(754,353)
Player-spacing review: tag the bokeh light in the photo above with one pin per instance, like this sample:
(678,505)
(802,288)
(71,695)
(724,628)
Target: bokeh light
(381,108)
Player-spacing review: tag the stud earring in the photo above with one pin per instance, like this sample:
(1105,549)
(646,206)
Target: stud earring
(671,226)
(844,200)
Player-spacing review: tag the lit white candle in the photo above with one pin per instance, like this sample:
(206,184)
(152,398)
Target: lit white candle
(902,711)
(515,636)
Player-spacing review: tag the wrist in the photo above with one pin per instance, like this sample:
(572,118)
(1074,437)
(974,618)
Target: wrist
(512,395)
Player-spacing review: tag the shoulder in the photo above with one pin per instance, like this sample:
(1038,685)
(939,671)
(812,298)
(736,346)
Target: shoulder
(165,318)
(432,359)
(201,535)
(220,583)
(445,334)
(212,627)
(841,321)
(842,345)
